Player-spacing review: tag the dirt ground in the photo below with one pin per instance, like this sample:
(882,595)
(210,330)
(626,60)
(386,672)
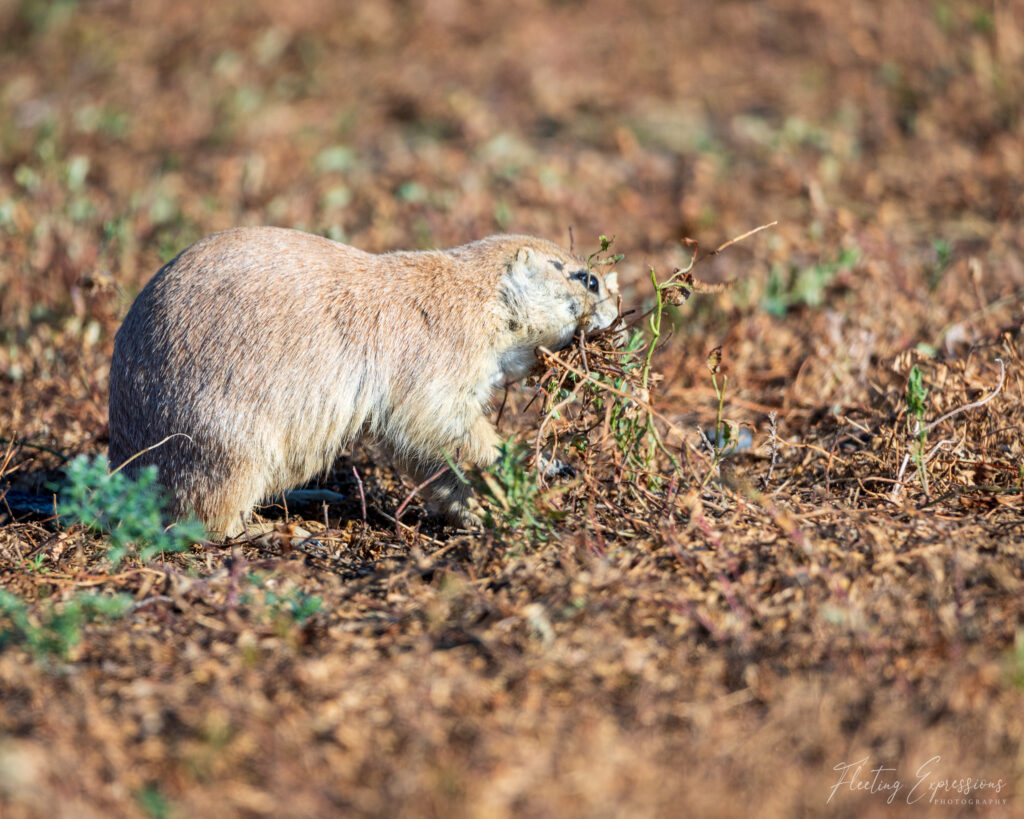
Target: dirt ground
(716,640)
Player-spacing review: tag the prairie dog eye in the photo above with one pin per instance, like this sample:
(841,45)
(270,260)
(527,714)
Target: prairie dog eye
(588,279)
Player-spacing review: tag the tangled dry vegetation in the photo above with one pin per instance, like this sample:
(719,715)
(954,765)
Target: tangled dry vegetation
(794,535)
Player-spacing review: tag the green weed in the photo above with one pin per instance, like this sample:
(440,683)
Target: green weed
(58,629)
(35,564)
(915,397)
(153,803)
(620,391)
(803,286)
(130,512)
(632,422)
(614,396)
(42,15)
(943,258)
(724,444)
(291,606)
(595,259)
(515,498)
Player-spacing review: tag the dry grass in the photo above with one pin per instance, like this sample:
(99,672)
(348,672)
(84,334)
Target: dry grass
(683,632)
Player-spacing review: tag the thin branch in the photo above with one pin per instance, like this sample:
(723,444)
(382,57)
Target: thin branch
(362,494)
(18,442)
(935,449)
(746,235)
(150,448)
(773,446)
(583,350)
(899,476)
(426,483)
(973,404)
(609,388)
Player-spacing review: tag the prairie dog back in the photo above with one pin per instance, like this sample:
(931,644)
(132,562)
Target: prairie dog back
(260,353)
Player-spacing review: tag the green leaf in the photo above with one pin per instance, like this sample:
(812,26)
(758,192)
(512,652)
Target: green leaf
(130,512)
(916,393)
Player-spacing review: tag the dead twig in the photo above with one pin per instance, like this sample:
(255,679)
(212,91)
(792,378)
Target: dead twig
(362,494)
(972,405)
(150,449)
(415,491)
(773,447)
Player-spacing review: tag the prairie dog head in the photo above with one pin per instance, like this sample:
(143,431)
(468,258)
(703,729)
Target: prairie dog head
(549,295)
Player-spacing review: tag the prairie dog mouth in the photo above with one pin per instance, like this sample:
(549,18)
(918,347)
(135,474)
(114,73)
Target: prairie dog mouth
(581,328)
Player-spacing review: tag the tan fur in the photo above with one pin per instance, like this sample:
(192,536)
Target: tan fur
(265,352)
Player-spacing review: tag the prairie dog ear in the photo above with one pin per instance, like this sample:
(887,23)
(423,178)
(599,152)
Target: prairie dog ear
(528,259)
(611,281)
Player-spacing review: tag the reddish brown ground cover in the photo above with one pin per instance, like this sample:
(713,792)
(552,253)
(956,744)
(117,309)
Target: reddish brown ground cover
(710,645)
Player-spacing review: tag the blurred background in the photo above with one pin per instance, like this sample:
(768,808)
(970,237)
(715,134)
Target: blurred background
(130,129)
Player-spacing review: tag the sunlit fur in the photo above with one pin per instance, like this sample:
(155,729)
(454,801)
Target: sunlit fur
(265,352)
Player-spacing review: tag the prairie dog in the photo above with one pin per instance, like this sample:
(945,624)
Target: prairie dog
(265,351)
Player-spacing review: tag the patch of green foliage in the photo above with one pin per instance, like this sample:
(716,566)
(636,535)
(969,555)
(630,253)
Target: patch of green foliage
(291,605)
(628,427)
(58,629)
(943,258)
(631,423)
(595,258)
(153,803)
(297,604)
(515,499)
(916,395)
(803,285)
(35,564)
(129,511)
